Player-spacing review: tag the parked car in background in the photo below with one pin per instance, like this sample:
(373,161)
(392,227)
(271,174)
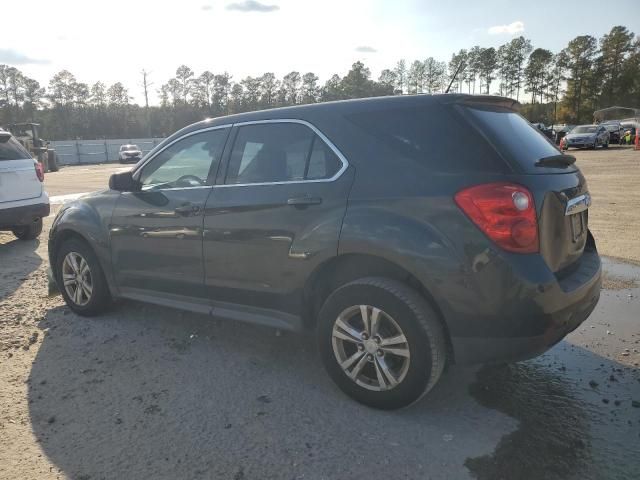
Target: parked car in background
(561,131)
(402,244)
(587,136)
(546,131)
(615,130)
(129,153)
(23,200)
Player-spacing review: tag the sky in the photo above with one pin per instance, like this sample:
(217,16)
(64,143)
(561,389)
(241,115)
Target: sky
(113,40)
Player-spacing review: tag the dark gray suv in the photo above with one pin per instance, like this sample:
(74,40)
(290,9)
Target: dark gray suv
(409,232)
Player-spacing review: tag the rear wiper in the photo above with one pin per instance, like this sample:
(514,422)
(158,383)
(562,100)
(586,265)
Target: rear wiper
(560,161)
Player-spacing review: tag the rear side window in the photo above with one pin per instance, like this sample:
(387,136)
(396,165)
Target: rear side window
(11,149)
(279,152)
(514,137)
(436,137)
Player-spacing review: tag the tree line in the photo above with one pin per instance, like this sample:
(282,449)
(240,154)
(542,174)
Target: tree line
(567,86)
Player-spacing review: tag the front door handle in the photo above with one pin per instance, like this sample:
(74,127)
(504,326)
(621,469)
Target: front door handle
(304,201)
(187,209)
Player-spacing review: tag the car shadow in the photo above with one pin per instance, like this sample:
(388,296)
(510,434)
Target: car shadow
(145,392)
(18,258)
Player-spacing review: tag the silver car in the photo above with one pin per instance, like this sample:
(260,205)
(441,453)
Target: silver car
(587,136)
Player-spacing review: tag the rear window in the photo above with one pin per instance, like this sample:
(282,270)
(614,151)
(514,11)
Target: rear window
(585,129)
(519,142)
(436,137)
(11,149)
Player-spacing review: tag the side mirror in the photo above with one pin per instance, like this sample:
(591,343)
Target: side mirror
(124,182)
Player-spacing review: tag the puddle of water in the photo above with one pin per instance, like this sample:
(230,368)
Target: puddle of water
(566,431)
(575,403)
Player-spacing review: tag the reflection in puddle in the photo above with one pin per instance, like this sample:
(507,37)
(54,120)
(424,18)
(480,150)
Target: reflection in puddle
(569,428)
(552,437)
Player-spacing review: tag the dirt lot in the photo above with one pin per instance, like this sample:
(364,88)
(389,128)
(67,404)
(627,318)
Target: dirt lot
(146,392)
(614,182)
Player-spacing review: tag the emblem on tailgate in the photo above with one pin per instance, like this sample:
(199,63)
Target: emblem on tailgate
(578,204)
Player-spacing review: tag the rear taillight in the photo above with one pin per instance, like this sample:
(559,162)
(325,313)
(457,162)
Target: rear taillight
(505,212)
(39,171)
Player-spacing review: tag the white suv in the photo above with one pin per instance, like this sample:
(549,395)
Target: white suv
(23,201)
(129,153)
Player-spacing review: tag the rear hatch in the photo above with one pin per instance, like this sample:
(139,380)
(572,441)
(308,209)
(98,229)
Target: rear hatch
(18,177)
(559,189)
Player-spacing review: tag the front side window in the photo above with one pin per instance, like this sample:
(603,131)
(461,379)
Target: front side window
(186,163)
(279,152)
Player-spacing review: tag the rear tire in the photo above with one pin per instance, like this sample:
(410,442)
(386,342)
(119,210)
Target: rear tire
(372,364)
(86,293)
(29,232)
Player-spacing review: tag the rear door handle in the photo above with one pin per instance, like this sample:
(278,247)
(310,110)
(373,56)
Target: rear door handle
(187,209)
(304,201)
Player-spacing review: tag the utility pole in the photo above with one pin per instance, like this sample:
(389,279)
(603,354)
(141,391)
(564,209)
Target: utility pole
(146,84)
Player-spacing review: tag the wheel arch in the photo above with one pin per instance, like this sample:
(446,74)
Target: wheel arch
(67,234)
(348,267)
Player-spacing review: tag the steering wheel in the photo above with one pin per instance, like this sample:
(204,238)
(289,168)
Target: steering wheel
(189,181)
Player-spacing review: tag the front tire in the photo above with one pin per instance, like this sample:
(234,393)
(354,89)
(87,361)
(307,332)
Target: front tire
(28,232)
(80,278)
(381,342)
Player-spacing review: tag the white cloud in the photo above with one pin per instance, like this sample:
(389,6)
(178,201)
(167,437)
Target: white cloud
(366,49)
(511,29)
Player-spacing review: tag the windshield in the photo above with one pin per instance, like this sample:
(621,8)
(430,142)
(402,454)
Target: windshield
(130,148)
(585,129)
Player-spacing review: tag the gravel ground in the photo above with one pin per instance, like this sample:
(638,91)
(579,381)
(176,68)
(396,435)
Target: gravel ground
(146,392)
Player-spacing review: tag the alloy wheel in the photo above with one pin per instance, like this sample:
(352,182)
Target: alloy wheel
(370,347)
(76,276)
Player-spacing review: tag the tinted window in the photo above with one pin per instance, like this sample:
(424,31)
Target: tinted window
(11,149)
(323,162)
(279,152)
(185,163)
(436,137)
(514,137)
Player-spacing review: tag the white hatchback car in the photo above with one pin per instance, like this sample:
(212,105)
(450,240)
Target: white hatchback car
(23,200)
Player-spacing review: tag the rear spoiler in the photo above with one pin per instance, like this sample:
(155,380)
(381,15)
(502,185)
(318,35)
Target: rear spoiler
(482,100)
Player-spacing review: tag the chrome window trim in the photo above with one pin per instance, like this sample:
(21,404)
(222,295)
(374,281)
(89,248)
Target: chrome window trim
(150,159)
(323,137)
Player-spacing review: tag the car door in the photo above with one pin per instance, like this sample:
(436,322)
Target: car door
(274,216)
(156,233)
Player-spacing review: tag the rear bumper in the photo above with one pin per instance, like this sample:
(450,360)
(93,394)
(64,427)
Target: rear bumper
(23,215)
(540,316)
